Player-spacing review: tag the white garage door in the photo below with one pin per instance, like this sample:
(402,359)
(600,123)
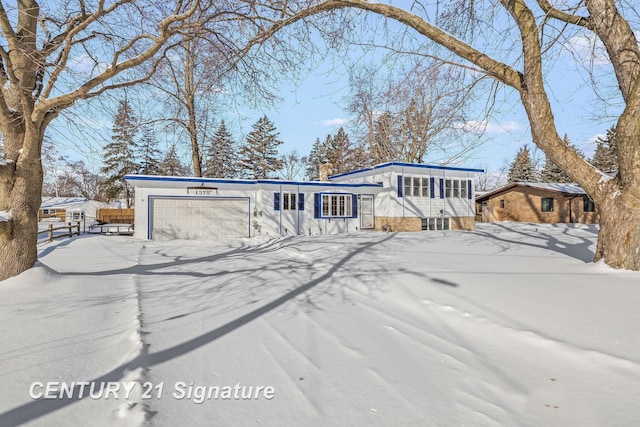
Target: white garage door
(193,218)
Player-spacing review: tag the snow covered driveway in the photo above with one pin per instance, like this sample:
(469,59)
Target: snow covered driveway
(508,325)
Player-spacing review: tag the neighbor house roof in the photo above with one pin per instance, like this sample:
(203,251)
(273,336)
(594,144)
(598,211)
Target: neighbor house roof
(566,189)
(61,202)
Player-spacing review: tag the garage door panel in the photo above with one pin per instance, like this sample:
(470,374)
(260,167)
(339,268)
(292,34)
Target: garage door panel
(192,218)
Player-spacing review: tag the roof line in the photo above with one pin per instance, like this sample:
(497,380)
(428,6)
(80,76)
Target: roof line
(524,184)
(245,181)
(403,164)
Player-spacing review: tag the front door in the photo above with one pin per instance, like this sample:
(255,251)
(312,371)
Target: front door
(366,211)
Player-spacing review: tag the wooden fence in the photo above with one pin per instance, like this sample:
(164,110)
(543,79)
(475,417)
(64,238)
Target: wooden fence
(71,230)
(115,216)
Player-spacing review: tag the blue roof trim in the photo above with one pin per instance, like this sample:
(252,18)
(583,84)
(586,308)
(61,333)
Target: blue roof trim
(402,164)
(247,181)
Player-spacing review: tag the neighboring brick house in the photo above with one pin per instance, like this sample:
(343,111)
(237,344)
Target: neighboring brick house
(537,202)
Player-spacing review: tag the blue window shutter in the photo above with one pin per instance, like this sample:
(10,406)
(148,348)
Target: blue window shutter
(300,201)
(400,182)
(432,184)
(354,206)
(442,188)
(316,205)
(469,189)
(276,201)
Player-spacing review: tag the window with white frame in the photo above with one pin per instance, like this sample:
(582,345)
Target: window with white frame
(415,186)
(435,223)
(336,205)
(456,188)
(289,201)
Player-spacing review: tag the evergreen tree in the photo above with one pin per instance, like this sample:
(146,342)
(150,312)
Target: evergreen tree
(551,172)
(339,152)
(149,154)
(522,169)
(317,156)
(120,155)
(259,156)
(171,164)
(605,157)
(220,156)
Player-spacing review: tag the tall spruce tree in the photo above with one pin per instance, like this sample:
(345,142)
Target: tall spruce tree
(171,164)
(220,158)
(605,157)
(523,169)
(317,156)
(149,154)
(258,158)
(340,153)
(120,155)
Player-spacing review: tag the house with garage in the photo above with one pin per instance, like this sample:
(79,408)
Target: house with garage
(537,202)
(390,196)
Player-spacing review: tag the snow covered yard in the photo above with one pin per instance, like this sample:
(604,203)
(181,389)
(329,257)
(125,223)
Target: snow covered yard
(508,325)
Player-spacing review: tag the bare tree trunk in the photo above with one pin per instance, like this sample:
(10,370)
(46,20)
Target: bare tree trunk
(190,101)
(20,193)
(619,239)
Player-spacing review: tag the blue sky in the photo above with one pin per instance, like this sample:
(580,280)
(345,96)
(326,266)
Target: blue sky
(315,108)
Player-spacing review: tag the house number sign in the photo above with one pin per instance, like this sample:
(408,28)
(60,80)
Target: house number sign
(202,191)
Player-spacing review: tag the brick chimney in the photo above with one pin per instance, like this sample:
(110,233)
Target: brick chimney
(326,169)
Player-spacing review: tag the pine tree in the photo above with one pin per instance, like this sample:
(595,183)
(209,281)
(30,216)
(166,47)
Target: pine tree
(317,156)
(522,169)
(149,154)
(220,156)
(120,155)
(551,172)
(259,156)
(339,152)
(605,157)
(171,164)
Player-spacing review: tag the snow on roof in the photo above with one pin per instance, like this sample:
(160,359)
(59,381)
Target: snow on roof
(61,202)
(570,188)
(561,187)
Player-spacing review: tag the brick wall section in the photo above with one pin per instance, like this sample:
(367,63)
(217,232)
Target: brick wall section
(415,224)
(524,204)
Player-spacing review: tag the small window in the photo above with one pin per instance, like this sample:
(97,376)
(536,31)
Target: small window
(463,189)
(416,187)
(456,188)
(588,205)
(501,203)
(425,187)
(289,201)
(435,224)
(547,204)
(407,185)
(447,188)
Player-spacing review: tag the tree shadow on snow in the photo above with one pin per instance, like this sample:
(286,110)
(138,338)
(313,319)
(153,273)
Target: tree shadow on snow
(38,408)
(579,250)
